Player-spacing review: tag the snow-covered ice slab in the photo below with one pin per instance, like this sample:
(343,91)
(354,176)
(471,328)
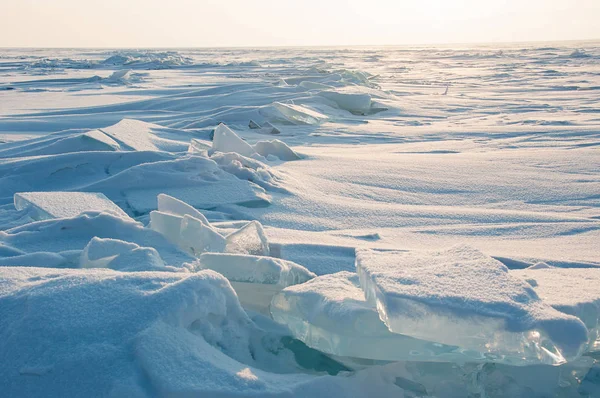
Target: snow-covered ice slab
(48,205)
(250,239)
(292,113)
(256,279)
(352,102)
(460,296)
(330,313)
(574,291)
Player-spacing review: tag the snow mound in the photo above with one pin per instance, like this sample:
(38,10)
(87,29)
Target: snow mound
(256,269)
(256,279)
(60,323)
(47,205)
(142,136)
(463,297)
(250,239)
(353,102)
(58,143)
(574,291)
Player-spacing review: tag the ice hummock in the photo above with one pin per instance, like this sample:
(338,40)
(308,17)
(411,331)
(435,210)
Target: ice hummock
(256,279)
(48,205)
(574,291)
(250,239)
(460,296)
(330,313)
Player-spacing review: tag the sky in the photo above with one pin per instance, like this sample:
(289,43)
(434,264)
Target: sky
(240,23)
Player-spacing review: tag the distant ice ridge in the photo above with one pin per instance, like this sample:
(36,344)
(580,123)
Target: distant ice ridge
(462,297)
(147,59)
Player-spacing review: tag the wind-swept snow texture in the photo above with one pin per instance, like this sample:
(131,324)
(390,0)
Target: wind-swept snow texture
(304,155)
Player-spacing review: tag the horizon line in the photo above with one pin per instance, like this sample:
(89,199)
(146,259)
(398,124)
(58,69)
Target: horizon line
(305,45)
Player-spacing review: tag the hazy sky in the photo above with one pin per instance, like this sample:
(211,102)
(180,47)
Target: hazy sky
(202,23)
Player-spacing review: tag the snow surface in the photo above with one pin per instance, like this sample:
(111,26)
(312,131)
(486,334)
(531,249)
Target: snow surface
(403,149)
